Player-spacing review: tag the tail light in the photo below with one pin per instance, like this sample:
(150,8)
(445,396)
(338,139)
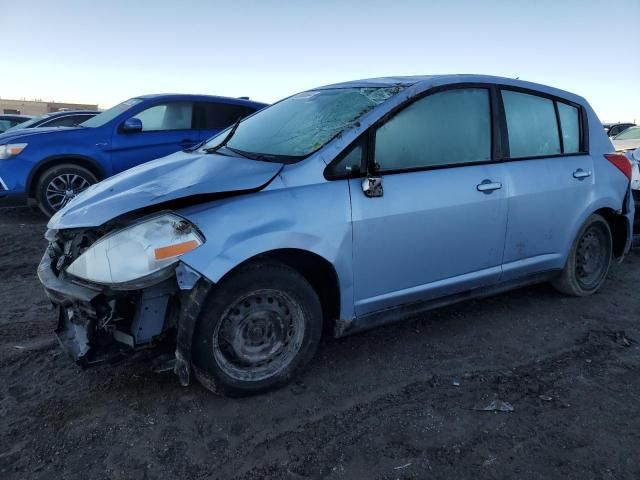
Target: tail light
(621,162)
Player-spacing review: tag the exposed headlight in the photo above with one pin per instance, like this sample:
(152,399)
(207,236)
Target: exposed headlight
(11,150)
(137,253)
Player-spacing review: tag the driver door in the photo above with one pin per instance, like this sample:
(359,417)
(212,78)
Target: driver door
(436,224)
(166,128)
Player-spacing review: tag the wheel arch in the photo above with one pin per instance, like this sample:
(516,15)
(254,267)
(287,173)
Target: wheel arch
(80,160)
(619,229)
(317,270)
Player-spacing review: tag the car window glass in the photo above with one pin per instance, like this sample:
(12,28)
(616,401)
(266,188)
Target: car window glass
(569,122)
(166,116)
(220,115)
(68,121)
(632,133)
(350,162)
(532,125)
(5,124)
(445,128)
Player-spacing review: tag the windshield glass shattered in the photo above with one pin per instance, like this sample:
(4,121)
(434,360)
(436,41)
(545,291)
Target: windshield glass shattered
(303,123)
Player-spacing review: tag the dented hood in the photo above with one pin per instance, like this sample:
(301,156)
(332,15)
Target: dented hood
(176,176)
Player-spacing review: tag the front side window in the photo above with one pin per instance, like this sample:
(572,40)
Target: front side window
(167,116)
(300,125)
(531,124)
(570,125)
(445,128)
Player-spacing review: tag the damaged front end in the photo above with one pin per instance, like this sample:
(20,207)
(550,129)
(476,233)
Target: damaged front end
(102,322)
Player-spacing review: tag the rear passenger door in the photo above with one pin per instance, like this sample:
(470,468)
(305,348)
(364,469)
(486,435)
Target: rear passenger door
(437,226)
(213,117)
(551,179)
(166,128)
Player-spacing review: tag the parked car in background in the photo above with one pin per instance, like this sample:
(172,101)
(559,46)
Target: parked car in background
(340,208)
(8,121)
(50,166)
(628,140)
(634,156)
(614,129)
(66,118)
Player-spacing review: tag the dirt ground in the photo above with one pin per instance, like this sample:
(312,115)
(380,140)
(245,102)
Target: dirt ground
(397,402)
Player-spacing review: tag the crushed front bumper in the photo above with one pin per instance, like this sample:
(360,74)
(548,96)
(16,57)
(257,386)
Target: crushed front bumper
(97,325)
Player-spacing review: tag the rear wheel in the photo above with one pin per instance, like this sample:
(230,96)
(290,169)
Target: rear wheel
(257,330)
(589,259)
(59,184)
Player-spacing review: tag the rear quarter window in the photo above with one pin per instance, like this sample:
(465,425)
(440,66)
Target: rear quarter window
(570,125)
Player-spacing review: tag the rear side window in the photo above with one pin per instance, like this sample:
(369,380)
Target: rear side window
(532,125)
(216,116)
(167,116)
(445,128)
(570,126)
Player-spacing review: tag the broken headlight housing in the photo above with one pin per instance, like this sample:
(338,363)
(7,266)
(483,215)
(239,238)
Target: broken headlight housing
(137,255)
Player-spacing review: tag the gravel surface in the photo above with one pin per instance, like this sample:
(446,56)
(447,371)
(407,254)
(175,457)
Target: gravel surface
(404,401)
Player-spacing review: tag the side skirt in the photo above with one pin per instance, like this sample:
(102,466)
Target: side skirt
(404,312)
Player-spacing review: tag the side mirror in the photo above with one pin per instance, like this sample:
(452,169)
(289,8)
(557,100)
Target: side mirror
(131,125)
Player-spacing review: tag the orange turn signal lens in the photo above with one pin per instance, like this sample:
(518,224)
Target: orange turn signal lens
(170,251)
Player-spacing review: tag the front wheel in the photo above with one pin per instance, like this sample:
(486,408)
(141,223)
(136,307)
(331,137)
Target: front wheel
(257,330)
(58,185)
(589,259)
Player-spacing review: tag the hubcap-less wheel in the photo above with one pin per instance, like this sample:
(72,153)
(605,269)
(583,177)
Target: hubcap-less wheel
(592,257)
(258,335)
(63,188)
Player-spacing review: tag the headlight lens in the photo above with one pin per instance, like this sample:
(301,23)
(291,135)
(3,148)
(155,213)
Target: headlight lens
(139,251)
(11,150)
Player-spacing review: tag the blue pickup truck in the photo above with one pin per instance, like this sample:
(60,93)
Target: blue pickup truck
(49,166)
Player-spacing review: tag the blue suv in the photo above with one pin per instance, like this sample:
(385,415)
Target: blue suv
(338,209)
(49,166)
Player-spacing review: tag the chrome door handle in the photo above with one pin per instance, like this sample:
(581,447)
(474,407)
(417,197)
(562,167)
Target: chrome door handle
(487,186)
(580,174)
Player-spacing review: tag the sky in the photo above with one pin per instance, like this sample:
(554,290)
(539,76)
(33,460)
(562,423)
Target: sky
(105,52)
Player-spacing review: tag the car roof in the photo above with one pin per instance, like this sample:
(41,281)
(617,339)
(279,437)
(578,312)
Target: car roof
(14,116)
(427,81)
(203,98)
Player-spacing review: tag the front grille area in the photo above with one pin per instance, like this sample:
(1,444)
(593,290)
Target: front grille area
(69,245)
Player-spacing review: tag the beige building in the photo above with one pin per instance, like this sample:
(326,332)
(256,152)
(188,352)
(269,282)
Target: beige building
(38,107)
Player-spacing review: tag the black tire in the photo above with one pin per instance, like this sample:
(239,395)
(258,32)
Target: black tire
(77,177)
(257,331)
(589,259)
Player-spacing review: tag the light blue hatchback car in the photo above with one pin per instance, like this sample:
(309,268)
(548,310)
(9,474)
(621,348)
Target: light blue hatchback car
(337,209)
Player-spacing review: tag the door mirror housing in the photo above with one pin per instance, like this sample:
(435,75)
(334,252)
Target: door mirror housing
(372,187)
(131,125)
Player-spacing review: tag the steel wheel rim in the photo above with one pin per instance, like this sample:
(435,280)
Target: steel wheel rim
(591,257)
(63,188)
(258,335)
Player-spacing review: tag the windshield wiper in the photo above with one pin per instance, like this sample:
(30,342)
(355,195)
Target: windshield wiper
(226,139)
(239,152)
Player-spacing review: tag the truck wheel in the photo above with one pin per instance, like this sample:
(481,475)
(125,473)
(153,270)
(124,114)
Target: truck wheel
(589,259)
(257,330)
(59,184)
